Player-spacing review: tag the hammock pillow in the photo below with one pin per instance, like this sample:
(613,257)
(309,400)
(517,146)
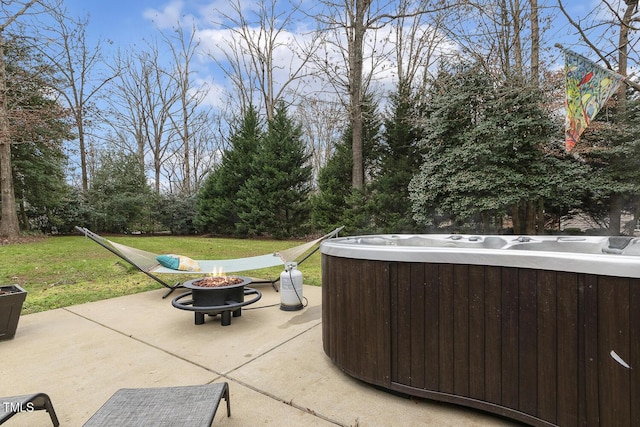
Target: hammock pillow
(178,262)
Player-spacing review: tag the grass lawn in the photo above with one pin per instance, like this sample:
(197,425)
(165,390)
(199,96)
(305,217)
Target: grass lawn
(69,270)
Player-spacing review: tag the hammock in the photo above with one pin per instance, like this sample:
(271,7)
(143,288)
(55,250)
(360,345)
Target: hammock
(147,262)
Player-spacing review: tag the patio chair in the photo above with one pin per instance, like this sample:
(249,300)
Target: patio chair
(147,262)
(10,406)
(163,406)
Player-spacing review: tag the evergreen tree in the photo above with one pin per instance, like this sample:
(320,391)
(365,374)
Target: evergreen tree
(482,150)
(567,184)
(119,196)
(337,204)
(274,199)
(448,125)
(38,126)
(73,211)
(398,159)
(610,146)
(176,213)
(216,208)
(40,186)
(330,203)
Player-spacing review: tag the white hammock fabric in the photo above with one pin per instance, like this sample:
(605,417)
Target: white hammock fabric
(229,266)
(147,262)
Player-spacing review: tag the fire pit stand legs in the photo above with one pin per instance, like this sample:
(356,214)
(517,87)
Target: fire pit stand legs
(226,310)
(225,315)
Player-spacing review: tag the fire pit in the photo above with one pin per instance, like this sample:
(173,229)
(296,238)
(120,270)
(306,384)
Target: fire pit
(215,295)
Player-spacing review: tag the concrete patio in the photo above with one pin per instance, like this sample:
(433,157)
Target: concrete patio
(273,361)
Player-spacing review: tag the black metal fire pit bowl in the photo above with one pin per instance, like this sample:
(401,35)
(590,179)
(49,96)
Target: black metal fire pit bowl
(214,300)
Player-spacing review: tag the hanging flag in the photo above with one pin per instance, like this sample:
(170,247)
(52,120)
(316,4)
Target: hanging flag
(588,86)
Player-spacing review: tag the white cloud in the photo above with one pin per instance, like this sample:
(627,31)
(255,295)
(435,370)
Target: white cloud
(216,95)
(169,16)
(215,35)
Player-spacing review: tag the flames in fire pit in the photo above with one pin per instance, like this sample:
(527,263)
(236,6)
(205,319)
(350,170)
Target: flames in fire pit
(214,295)
(209,284)
(216,281)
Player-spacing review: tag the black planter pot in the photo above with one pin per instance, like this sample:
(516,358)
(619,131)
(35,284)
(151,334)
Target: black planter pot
(11,299)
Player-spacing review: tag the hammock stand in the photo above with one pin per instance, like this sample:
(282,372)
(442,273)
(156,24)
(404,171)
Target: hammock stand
(146,261)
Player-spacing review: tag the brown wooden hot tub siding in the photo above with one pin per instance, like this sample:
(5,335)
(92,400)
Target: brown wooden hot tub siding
(532,345)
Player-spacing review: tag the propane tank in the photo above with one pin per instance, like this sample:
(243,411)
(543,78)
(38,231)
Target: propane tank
(291,288)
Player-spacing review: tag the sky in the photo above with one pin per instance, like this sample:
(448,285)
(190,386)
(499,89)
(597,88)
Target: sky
(119,20)
(128,22)
(125,20)
(123,24)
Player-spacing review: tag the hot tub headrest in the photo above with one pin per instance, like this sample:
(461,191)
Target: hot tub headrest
(617,244)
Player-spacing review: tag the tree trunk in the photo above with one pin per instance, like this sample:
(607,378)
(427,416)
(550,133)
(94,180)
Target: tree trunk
(9,220)
(355,80)
(623,42)
(515,219)
(535,43)
(23,216)
(636,216)
(9,226)
(615,212)
(517,42)
(186,185)
(486,223)
(540,214)
(615,208)
(83,154)
(531,209)
(357,174)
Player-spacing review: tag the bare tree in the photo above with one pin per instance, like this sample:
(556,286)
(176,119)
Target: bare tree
(190,117)
(494,33)
(535,42)
(159,112)
(322,123)
(205,150)
(419,43)
(9,225)
(504,36)
(611,33)
(77,65)
(262,57)
(142,100)
(353,26)
(357,22)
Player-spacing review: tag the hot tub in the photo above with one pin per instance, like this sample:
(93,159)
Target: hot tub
(541,329)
